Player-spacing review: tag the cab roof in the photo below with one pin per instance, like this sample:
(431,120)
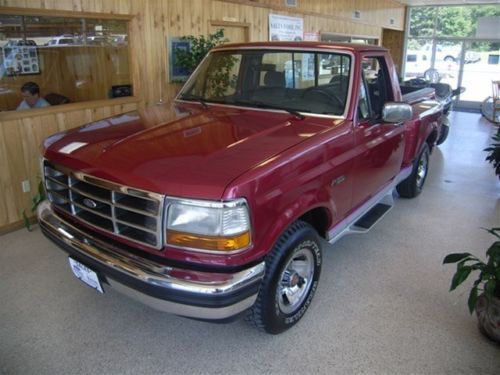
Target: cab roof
(304,45)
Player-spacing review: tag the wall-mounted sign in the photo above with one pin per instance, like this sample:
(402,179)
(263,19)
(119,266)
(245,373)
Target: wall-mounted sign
(285,28)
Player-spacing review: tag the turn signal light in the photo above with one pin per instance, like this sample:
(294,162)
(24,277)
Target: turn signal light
(209,243)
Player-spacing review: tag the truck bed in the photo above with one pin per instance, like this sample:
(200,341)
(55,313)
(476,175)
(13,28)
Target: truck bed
(413,94)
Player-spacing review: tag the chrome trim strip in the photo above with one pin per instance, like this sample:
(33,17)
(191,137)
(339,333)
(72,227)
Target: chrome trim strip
(153,273)
(99,182)
(345,227)
(209,203)
(208,313)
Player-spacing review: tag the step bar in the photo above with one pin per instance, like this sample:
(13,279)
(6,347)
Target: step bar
(370,213)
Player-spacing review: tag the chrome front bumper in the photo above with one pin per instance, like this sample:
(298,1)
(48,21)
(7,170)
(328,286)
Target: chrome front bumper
(196,294)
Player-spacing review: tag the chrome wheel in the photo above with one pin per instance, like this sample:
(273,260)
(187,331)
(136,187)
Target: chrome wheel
(414,183)
(292,274)
(422,170)
(295,281)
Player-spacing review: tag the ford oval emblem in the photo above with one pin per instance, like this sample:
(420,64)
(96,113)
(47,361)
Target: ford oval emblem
(89,203)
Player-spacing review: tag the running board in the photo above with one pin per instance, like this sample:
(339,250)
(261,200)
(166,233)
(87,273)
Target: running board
(366,216)
(364,223)
(371,218)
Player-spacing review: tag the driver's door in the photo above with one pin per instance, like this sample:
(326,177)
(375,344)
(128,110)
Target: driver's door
(380,145)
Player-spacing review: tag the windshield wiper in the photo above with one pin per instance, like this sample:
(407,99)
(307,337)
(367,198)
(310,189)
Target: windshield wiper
(199,99)
(260,104)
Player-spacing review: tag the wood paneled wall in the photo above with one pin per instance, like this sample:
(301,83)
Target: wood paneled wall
(152,22)
(20,139)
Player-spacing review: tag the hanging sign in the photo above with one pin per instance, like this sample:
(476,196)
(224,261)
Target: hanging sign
(285,28)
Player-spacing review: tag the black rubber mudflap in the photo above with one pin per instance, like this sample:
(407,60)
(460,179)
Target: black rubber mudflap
(372,216)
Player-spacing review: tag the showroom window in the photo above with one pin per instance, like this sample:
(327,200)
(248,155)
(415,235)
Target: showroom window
(460,42)
(70,59)
(341,38)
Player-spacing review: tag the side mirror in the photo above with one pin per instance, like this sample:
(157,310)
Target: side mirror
(396,112)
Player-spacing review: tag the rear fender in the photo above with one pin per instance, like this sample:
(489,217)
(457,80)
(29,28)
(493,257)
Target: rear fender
(423,128)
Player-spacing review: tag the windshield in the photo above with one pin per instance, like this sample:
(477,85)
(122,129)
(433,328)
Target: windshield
(312,82)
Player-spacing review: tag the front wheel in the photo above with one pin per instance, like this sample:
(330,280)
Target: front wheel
(414,183)
(292,273)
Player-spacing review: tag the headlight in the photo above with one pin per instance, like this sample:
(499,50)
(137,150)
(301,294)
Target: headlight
(208,225)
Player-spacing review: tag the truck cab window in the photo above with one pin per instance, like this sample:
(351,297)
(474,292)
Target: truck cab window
(375,72)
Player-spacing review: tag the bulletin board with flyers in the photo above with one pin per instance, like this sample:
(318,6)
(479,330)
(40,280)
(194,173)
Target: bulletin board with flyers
(20,60)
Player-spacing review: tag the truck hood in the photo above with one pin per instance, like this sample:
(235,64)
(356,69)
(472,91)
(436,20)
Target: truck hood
(178,151)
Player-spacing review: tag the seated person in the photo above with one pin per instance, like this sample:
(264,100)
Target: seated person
(31,97)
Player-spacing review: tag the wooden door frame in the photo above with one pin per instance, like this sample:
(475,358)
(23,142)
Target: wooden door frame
(246,25)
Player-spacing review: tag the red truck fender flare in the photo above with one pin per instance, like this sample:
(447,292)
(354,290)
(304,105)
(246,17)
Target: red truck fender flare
(308,209)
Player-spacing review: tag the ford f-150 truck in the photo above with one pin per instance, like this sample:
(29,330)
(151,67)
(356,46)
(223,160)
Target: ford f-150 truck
(214,205)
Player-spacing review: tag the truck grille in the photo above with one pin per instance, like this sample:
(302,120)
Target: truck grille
(133,214)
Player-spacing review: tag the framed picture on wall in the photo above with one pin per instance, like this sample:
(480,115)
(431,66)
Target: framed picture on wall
(177,73)
(20,60)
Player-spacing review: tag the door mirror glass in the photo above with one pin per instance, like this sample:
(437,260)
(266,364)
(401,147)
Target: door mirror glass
(396,112)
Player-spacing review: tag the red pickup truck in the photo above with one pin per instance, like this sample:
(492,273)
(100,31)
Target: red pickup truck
(215,205)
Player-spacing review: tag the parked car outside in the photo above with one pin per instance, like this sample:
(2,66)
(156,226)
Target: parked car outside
(63,40)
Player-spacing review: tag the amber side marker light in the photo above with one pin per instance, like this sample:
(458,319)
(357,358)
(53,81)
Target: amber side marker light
(211,243)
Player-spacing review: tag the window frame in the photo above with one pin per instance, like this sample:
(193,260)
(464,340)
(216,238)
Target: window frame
(128,18)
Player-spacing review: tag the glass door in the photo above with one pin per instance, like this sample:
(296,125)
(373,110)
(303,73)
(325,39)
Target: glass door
(447,61)
(481,66)
(460,42)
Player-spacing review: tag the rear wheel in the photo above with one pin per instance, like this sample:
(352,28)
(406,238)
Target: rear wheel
(413,184)
(443,135)
(292,273)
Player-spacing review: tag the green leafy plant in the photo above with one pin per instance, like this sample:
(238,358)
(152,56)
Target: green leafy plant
(488,280)
(494,153)
(219,79)
(199,47)
(35,201)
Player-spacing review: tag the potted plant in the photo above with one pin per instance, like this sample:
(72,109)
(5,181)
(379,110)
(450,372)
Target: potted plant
(35,202)
(494,153)
(199,47)
(484,296)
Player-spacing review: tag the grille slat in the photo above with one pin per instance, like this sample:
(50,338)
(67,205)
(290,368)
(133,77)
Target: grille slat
(141,212)
(125,212)
(127,224)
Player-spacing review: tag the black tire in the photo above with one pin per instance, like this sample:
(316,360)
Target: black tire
(444,134)
(292,273)
(414,183)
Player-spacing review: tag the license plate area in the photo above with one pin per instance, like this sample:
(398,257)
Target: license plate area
(85,274)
